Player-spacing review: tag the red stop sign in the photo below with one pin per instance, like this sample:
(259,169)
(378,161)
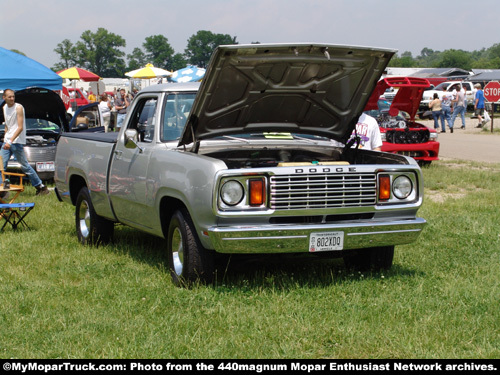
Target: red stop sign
(492,91)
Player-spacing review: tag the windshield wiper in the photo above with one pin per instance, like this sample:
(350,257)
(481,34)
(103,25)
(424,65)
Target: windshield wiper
(304,139)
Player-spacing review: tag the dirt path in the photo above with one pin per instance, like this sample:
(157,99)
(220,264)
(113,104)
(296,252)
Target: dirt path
(469,144)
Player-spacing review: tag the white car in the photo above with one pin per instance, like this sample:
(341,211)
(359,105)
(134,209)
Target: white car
(449,87)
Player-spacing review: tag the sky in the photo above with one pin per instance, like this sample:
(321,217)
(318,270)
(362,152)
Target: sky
(35,27)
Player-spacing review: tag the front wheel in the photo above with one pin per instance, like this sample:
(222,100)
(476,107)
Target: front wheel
(91,228)
(188,260)
(374,258)
(424,163)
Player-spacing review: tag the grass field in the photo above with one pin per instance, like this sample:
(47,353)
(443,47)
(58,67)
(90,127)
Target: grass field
(441,299)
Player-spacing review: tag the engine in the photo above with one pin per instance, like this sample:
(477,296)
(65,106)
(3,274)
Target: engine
(390,122)
(258,158)
(39,141)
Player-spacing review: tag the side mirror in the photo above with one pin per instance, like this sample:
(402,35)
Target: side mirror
(131,139)
(79,127)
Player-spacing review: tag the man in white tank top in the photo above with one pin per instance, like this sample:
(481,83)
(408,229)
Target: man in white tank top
(15,139)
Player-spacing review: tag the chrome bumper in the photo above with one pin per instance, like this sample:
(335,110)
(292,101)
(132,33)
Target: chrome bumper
(295,238)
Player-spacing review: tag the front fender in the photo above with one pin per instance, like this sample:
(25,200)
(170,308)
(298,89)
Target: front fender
(190,179)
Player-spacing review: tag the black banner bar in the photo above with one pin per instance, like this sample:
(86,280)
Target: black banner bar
(230,366)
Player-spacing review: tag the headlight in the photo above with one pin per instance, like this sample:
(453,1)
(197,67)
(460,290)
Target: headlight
(402,187)
(433,136)
(231,193)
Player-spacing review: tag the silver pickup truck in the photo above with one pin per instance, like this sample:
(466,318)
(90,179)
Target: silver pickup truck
(249,162)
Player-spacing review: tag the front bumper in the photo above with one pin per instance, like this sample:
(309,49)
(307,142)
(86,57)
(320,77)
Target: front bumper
(427,151)
(34,155)
(295,238)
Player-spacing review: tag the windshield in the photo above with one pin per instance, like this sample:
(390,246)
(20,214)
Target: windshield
(442,86)
(383,112)
(175,115)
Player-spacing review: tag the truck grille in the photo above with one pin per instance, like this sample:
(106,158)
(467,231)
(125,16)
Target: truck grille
(292,192)
(406,137)
(39,154)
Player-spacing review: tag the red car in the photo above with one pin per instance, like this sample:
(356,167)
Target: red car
(400,133)
(77,97)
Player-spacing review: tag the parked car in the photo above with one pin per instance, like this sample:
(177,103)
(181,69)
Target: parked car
(87,118)
(400,133)
(45,120)
(77,98)
(449,87)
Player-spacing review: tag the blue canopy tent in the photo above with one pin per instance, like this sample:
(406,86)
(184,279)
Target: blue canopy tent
(18,72)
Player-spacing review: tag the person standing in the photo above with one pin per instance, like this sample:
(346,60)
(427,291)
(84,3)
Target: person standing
(435,106)
(91,97)
(479,105)
(121,105)
(368,131)
(464,89)
(105,107)
(445,111)
(459,109)
(15,139)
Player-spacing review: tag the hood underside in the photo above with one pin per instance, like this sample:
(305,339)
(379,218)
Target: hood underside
(314,89)
(408,97)
(40,103)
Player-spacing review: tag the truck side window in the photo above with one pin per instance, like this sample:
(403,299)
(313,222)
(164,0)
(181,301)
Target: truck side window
(144,119)
(175,114)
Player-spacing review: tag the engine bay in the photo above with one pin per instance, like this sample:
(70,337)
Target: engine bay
(40,141)
(271,157)
(259,158)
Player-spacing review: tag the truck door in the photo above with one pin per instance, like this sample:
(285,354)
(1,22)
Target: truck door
(130,194)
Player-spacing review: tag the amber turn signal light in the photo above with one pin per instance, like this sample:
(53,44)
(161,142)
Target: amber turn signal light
(257,193)
(384,189)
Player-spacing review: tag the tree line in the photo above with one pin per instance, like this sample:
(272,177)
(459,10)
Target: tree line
(100,53)
(486,58)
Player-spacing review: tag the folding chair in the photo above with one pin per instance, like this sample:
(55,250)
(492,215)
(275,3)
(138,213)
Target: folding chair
(15,189)
(14,214)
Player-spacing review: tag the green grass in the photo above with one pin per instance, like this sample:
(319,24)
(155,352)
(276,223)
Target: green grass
(439,300)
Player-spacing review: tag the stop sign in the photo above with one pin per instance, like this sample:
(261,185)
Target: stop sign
(492,91)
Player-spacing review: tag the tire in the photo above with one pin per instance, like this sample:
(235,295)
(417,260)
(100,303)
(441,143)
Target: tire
(375,258)
(188,260)
(91,228)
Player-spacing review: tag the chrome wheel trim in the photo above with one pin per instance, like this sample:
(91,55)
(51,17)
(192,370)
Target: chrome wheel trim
(84,219)
(177,248)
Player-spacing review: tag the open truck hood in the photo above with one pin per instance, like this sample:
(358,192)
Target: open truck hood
(408,97)
(314,89)
(40,103)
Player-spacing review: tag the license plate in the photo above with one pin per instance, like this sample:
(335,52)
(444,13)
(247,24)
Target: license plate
(326,241)
(47,166)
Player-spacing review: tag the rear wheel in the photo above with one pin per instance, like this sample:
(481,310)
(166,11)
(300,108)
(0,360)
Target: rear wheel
(91,228)
(374,258)
(188,260)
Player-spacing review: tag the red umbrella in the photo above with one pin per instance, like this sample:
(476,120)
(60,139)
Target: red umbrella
(78,73)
